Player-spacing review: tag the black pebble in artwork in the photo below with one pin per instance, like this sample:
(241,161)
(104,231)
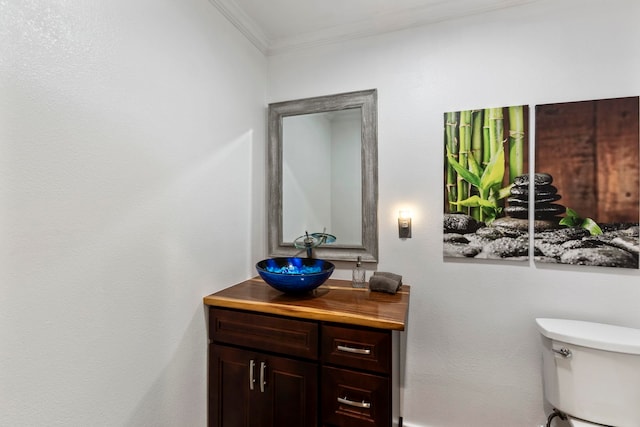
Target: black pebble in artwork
(545,195)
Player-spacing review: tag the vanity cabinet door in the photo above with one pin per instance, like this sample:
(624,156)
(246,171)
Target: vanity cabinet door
(292,393)
(230,402)
(253,389)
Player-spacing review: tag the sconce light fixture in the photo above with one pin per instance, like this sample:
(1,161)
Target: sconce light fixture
(404,224)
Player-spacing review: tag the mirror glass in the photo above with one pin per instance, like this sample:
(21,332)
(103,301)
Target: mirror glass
(321,175)
(322,169)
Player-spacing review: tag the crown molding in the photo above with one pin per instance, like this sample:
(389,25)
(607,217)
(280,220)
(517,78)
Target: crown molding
(378,24)
(243,23)
(386,23)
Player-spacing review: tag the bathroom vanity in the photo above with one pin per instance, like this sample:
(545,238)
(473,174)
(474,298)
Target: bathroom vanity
(328,358)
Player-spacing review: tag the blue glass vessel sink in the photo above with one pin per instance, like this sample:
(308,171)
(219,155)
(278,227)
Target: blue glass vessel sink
(294,275)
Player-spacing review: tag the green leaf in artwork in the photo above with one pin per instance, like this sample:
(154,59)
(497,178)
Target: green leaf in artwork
(474,166)
(591,226)
(465,173)
(491,215)
(494,172)
(475,201)
(572,219)
(571,213)
(504,192)
(566,221)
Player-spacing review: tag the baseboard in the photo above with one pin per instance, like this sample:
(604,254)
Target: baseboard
(408,424)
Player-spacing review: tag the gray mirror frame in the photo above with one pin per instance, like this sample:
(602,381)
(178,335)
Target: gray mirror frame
(367,100)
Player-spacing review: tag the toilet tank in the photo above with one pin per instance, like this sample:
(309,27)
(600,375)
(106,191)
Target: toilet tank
(592,370)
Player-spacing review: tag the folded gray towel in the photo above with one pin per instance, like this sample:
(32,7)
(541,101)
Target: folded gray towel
(396,277)
(385,282)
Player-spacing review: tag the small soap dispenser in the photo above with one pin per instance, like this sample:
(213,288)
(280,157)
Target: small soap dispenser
(359,275)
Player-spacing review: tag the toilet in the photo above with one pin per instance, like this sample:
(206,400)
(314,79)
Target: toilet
(591,372)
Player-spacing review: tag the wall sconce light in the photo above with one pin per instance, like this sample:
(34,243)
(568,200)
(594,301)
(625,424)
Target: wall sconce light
(404,224)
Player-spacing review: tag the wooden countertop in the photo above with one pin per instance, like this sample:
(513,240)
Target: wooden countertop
(334,301)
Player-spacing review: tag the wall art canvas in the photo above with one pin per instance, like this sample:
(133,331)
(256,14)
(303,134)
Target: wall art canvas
(587,182)
(485,174)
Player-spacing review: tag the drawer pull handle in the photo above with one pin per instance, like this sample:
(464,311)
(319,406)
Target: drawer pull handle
(263,382)
(252,380)
(354,350)
(362,404)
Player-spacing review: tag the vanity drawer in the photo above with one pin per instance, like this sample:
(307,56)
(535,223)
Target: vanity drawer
(263,332)
(355,399)
(360,348)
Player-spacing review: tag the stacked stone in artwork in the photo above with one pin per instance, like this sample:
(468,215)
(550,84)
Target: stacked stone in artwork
(545,195)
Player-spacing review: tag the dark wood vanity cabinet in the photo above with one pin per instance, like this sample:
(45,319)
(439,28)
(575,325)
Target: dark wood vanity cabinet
(289,366)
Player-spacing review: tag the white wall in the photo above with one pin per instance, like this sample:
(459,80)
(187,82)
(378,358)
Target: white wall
(473,357)
(131,185)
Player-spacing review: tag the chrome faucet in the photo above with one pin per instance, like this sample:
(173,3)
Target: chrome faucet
(309,244)
(313,240)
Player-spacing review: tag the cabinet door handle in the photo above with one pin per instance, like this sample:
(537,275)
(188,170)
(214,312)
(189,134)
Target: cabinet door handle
(354,350)
(263,382)
(252,380)
(363,404)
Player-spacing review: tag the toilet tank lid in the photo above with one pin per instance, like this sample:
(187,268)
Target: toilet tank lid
(593,335)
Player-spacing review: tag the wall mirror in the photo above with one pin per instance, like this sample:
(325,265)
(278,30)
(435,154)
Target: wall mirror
(323,175)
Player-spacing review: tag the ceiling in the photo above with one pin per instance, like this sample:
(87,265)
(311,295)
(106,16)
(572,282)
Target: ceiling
(275,26)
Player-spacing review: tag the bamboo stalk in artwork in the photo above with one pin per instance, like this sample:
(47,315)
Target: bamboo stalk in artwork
(486,149)
(516,142)
(496,132)
(451,139)
(463,157)
(476,135)
(476,152)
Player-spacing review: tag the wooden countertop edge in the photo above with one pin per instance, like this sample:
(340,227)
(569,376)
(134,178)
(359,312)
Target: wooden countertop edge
(304,312)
